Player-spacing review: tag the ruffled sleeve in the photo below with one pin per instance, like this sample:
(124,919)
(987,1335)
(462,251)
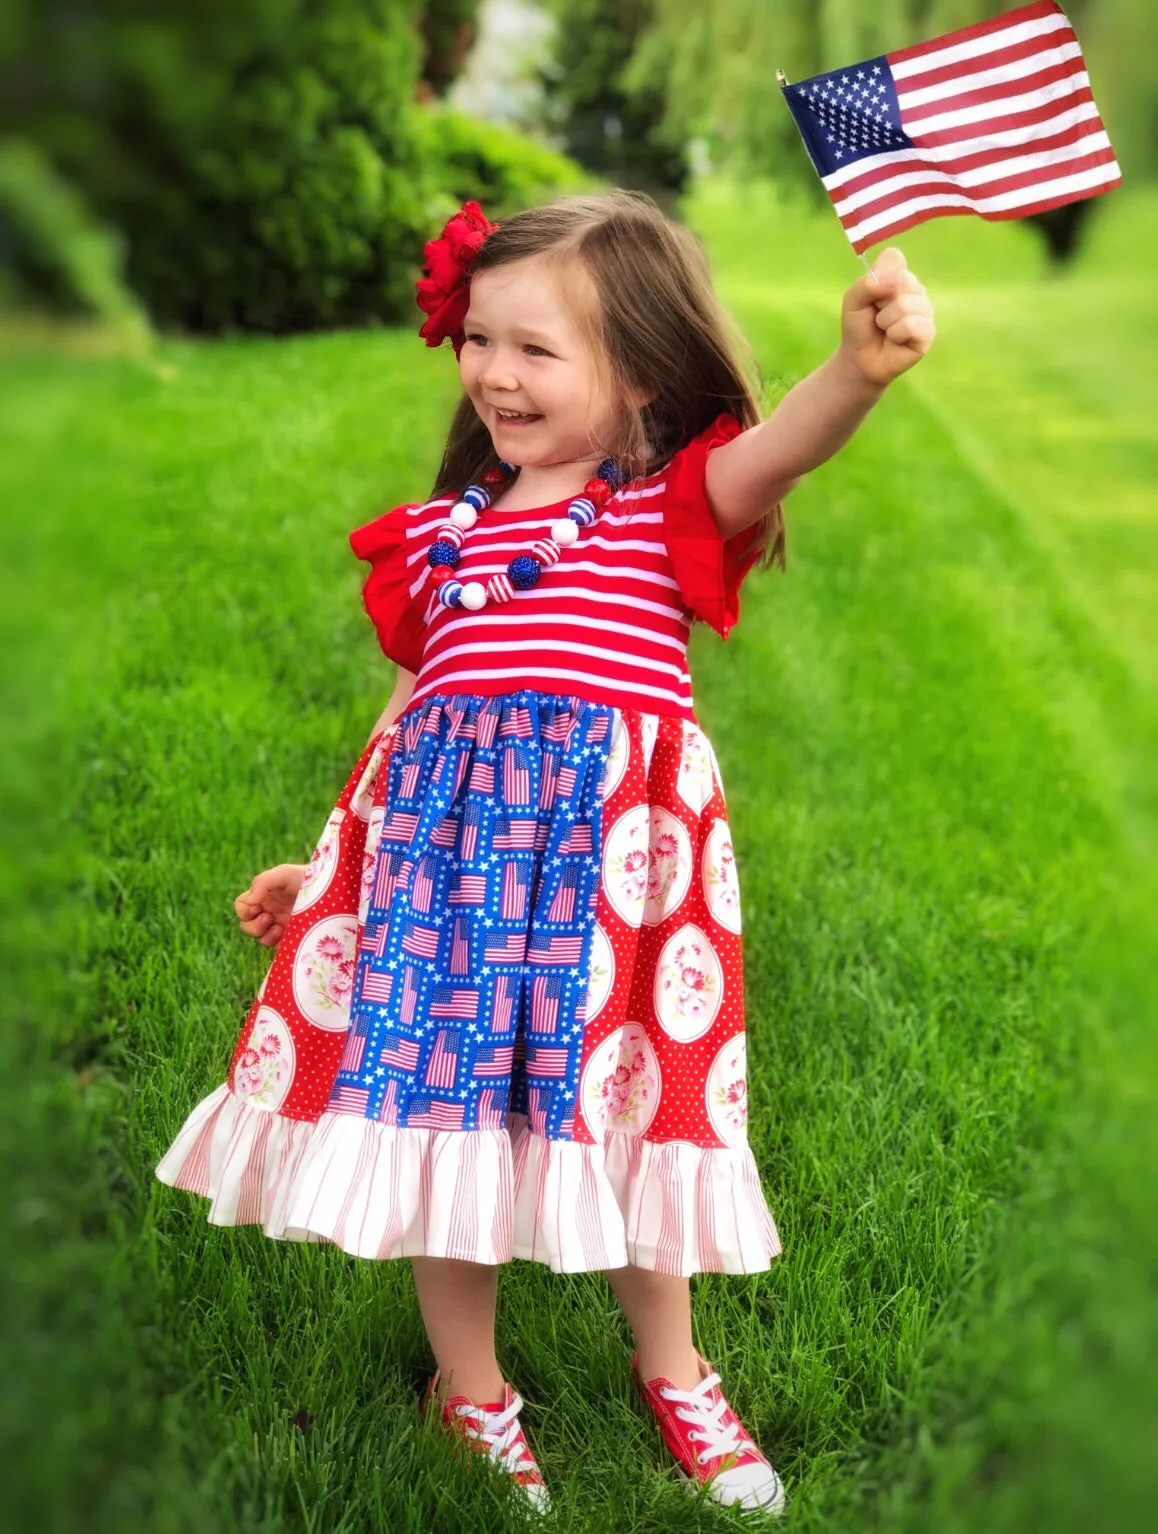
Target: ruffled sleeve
(386,592)
(708,567)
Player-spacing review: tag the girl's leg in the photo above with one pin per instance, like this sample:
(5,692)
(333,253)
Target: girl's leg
(457,1300)
(659,1310)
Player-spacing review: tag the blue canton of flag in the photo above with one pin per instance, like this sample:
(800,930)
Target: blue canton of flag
(848,115)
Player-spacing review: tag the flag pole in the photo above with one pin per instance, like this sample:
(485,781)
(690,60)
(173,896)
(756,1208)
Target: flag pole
(782,81)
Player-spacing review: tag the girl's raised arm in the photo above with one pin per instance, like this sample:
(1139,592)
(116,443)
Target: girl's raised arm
(886,328)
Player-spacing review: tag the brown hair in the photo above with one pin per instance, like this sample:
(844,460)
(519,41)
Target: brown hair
(660,331)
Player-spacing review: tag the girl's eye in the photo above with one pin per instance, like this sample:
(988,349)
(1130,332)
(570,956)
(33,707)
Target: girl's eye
(538,351)
(478,340)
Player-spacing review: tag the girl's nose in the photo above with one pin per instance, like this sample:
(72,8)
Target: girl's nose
(498,373)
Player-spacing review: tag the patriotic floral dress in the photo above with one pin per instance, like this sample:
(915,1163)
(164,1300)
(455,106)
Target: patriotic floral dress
(506,1018)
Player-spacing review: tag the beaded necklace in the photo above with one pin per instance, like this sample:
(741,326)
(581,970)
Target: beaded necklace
(524,570)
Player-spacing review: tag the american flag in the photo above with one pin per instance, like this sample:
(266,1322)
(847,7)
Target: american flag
(547,1060)
(460,948)
(469,889)
(423,891)
(516,887)
(997,119)
(353,1051)
(546,993)
(562,907)
(400,827)
(562,949)
(349,1100)
(548,779)
(430,1113)
(460,768)
(376,985)
(492,1107)
(410,779)
(482,777)
(516,776)
(518,721)
(454,1001)
(488,723)
(510,833)
(471,824)
(409,997)
(388,1107)
(505,948)
(494,1060)
(578,838)
(401,1054)
(386,877)
(567,777)
(558,728)
(374,935)
(445,834)
(420,941)
(506,995)
(442,1067)
(538,1107)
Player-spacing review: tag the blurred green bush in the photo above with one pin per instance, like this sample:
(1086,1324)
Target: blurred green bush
(52,252)
(266,161)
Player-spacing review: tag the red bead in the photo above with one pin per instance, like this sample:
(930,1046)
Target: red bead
(442,573)
(494,477)
(598,491)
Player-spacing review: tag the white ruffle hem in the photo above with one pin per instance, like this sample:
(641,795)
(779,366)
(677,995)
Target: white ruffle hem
(380,1191)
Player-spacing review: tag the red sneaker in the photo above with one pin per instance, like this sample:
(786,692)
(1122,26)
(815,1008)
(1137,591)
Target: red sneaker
(711,1445)
(493,1428)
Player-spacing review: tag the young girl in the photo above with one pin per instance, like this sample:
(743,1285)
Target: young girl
(505,1015)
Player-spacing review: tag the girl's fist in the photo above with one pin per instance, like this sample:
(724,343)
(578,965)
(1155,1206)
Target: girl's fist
(886,320)
(264,908)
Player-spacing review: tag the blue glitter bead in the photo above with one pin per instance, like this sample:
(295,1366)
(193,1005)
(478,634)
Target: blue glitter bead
(609,472)
(524,572)
(443,552)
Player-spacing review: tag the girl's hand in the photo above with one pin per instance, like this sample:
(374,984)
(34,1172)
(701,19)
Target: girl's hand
(886,324)
(265,907)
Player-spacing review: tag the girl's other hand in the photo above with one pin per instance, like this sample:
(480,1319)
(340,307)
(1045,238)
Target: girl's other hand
(264,908)
(886,320)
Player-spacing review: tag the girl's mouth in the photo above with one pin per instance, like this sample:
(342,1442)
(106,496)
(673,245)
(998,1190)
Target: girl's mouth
(516,418)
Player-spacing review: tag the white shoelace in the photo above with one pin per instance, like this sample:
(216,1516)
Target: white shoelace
(499,1431)
(717,1436)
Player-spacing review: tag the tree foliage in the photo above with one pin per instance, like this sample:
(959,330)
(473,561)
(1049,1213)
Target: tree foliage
(266,161)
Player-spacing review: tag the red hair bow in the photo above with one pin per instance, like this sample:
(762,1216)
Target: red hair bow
(443,290)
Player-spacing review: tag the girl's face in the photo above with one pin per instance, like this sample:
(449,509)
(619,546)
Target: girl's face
(528,369)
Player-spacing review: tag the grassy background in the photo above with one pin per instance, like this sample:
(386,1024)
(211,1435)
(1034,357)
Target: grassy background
(936,736)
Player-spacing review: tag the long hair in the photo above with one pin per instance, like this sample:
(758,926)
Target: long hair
(659,333)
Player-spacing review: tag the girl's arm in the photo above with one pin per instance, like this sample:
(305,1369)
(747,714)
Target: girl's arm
(399,698)
(886,328)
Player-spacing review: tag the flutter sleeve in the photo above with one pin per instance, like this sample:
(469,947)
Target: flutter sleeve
(386,592)
(708,567)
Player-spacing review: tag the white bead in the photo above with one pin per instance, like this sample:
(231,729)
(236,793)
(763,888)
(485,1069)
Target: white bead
(564,532)
(474,596)
(462,514)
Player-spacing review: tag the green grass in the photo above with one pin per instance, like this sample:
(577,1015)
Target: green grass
(936,736)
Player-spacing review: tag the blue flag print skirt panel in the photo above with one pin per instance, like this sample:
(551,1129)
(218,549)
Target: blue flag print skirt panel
(506,1017)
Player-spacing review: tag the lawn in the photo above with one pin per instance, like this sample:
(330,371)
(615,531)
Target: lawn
(937,736)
